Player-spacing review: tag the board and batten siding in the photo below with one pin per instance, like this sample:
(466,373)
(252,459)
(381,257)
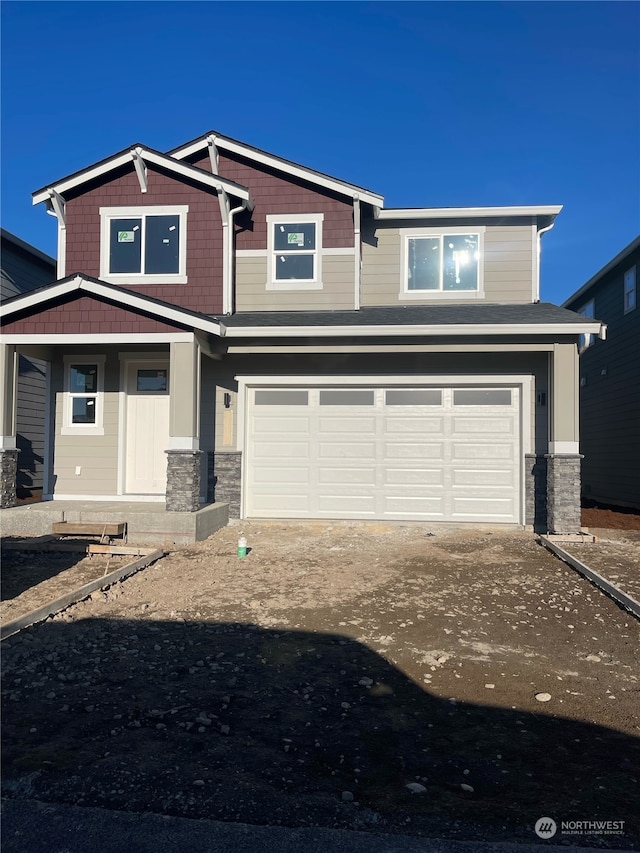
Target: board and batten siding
(509,262)
(337,293)
(95,455)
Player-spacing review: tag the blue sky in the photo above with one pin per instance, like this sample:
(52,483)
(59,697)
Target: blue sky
(430,104)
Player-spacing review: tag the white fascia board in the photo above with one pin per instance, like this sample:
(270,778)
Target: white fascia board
(166,162)
(282,166)
(467,212)
(411,331)
(164,312)
(107,338)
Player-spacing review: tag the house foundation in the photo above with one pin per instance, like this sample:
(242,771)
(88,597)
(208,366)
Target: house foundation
(563,492)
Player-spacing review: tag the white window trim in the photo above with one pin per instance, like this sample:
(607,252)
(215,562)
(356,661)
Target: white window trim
(109,213)
(68,427)
(436,295)
(630,283)
(291,283)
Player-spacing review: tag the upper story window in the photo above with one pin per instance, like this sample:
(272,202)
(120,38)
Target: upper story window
(587,310)
(630,290)
(145,244)
(442,263)
(294,246)
(84,393)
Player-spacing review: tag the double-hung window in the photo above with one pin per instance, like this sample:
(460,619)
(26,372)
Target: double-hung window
(84,393)
(144,244)
(294,246)
(442,263)
(630,290)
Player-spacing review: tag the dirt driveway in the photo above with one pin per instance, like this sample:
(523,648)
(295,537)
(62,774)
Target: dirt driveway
(314,680)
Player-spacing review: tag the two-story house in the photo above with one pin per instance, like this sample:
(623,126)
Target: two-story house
(610,382)
(228,325)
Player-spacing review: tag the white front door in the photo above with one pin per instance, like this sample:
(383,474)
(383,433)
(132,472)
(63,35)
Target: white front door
(147,427)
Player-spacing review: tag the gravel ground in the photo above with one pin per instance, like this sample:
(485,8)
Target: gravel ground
(311,682)
(615,556)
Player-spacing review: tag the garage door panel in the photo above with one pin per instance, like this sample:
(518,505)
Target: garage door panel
(354,503)
(477,451)
(278,425)
(413,477)
(338,424)
(398,427)
(474,426)
(413,450)
(403,506)
(482,476)
(356,450)
(283,474)
(281,501)
(265,450)
(494,509)
(365,476)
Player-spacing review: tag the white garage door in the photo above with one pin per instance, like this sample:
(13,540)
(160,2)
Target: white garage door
(439,454)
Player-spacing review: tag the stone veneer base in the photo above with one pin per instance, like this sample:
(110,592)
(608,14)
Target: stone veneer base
(563,492)
(183,480)
(8,475)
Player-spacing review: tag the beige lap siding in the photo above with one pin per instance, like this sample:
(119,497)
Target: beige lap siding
(337,293)
(509,263)
(97,455)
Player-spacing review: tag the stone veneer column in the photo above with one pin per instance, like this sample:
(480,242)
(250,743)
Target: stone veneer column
(227,478)
(8,475)
(563,492)
(183,480)
(535,491)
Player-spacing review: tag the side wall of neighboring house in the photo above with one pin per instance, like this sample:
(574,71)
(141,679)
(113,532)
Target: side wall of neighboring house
(610,391)
(23,269)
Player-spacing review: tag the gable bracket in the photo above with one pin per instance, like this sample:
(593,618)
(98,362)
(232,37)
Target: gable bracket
(141,168)
(59,207)
(214,155)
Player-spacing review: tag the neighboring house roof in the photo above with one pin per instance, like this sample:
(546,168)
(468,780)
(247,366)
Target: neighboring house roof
(27,247)
(226,143)
(545,214)
(165,311)
(487,319)
(141,153)
(619,258)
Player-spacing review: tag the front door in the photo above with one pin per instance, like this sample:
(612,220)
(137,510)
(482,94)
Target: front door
(147,427)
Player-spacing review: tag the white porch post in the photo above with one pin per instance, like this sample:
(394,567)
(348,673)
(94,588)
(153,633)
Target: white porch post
(183,463)
(563,458)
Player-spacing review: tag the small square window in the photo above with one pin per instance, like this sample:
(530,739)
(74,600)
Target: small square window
(630,290)
(143,244)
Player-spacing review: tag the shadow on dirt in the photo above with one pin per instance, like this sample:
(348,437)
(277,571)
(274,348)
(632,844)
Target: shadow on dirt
(237,723)
(22,570)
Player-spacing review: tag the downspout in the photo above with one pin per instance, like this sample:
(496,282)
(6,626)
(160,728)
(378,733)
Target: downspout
(539,251)
(227,214)
(357,250)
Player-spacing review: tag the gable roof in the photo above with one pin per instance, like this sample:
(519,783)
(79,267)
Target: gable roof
(226,143)
(112,293)
(150,155)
